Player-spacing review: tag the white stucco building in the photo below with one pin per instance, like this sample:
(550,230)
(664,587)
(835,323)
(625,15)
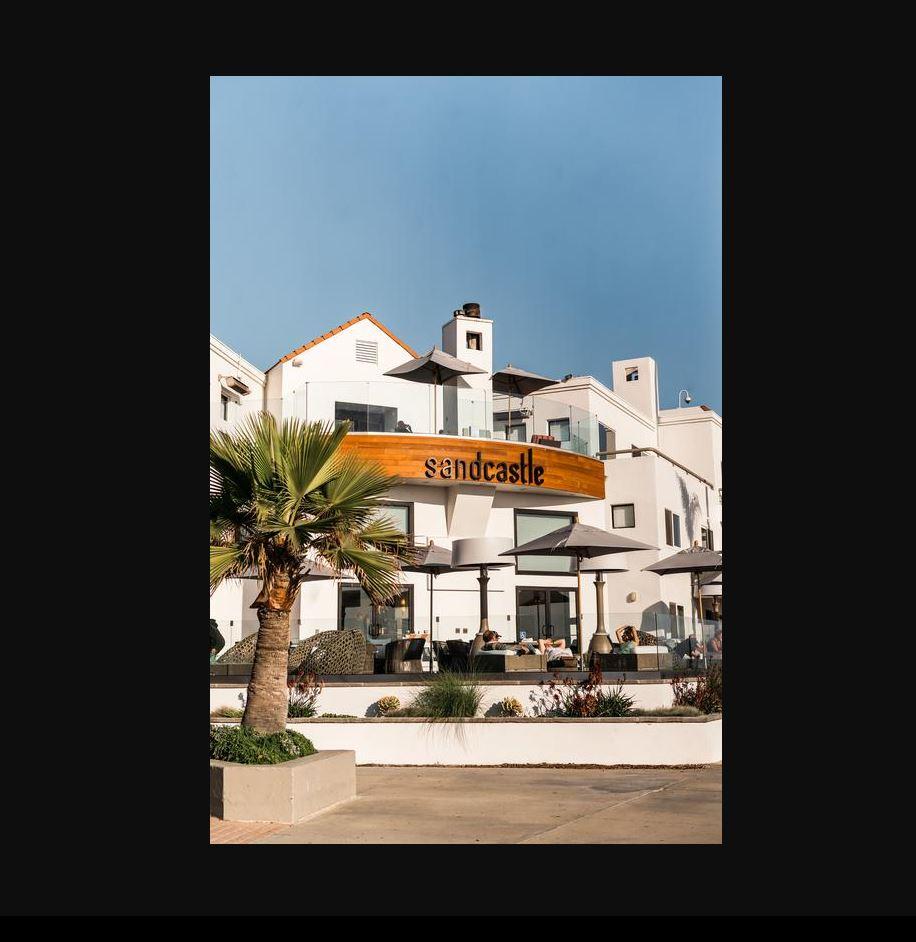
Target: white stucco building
(667,494)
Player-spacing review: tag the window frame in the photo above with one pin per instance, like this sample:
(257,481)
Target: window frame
(402,503)
(473,333)
(518,559)
(628,526)
(672,524)
(568,428)
(406,587)
(605,429)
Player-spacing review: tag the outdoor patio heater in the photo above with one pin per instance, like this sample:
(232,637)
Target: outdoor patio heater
(481,553)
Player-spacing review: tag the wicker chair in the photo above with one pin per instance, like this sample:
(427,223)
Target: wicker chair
(334,652)
(242,652)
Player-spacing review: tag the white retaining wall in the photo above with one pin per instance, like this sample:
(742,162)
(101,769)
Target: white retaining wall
(624,741)
(356,700)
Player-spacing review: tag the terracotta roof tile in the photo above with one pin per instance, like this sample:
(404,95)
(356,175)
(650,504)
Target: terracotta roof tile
(336,330)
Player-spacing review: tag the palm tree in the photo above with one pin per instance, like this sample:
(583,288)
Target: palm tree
(281,497)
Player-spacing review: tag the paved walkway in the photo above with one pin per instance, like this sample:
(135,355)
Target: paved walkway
(404,805)
(240,832)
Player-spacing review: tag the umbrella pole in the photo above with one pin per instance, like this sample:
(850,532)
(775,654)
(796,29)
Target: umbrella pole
(432,585)
(579,613)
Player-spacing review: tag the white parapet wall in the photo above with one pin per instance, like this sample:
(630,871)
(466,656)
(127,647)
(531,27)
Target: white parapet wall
(359,700)
(492,741)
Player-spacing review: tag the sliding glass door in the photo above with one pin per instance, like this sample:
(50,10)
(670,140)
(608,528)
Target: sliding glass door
(546,613)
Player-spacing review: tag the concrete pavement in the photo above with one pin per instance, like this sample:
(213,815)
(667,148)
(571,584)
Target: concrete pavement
(442,805)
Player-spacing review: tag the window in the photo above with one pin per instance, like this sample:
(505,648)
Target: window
(707,538)
(676,614)
(474,341)
(607,440)
(401,516)
(379,624)
(224,407)
(559,429)
(672,529)
(546,613)
(366,351)
(529,525)
(632,373)
(623,515)
(516,433)
(366,418)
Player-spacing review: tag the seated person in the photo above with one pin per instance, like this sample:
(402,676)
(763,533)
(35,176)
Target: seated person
(714,645)
(491,642)
(403,427)
(552,647)
(694,648)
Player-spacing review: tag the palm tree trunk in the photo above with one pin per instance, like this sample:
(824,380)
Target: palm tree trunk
(267,702)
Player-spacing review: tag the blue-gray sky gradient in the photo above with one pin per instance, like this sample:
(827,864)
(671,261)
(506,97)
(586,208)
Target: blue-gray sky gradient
(582,213)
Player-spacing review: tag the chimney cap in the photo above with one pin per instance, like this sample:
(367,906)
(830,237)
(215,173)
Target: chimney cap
(471,309)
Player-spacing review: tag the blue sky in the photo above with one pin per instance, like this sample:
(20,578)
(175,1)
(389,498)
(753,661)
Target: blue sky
(582,213)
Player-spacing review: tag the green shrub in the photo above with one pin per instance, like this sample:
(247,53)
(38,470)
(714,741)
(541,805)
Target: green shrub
(669,711)
(227,711)
(304,688)
(613,703)
(450,694)
(705,694)
(242,744)
(584,699)
(406,711)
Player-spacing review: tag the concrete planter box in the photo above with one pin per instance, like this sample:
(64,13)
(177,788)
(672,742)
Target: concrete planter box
(359,698)
(636,662)
(286,792)
(645,740)
(503,663)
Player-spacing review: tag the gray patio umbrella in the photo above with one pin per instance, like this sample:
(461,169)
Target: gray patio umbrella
(434,560)
(696,560)
(435,369)
(511,381)
(583,542)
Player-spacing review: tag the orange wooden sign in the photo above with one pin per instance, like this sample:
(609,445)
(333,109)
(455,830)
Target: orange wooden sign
(446,460)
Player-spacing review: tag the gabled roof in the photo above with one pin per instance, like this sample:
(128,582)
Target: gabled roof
(366,316)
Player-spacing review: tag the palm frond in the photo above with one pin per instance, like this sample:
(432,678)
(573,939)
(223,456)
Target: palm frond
(280,496)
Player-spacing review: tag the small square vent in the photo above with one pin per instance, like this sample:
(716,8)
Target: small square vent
(366,351)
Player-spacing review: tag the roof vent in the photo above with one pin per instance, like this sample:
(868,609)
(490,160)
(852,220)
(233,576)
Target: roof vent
(471,309)
(366,351)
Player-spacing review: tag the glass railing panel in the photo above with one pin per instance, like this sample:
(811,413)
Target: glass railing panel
(396,406)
